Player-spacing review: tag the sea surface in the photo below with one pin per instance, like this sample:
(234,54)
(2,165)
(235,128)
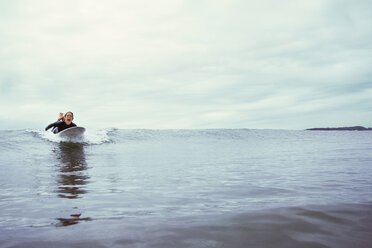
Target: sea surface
(186,188)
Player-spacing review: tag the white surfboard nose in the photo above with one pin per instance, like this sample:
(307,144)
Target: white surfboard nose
(72,134)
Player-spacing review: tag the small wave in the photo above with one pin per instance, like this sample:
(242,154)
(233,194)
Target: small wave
(97,137)
(91,137)
(44,135)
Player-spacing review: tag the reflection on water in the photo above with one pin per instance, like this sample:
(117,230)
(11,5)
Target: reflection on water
(72,177)
(73,166)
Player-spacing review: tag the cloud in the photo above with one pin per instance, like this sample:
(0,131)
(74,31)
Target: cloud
(186,64)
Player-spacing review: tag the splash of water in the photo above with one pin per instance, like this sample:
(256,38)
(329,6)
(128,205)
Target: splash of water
(91,137)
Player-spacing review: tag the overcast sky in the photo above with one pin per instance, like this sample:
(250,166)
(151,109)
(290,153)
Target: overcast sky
(284,64)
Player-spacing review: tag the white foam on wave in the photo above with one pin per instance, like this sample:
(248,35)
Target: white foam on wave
(96,137)
(91,137)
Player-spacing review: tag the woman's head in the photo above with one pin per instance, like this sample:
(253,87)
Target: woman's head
(69,116)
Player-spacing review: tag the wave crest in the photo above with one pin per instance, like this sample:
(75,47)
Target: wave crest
(91,137)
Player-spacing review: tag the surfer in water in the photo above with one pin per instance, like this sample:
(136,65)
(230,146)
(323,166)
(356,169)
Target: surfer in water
(63,122)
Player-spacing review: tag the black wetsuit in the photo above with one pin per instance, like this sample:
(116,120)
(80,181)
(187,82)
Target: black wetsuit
(58,126)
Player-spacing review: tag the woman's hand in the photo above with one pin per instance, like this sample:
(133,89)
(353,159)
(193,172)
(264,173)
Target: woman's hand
(60,117)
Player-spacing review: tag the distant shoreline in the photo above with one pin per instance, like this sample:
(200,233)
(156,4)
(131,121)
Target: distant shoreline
(355,128)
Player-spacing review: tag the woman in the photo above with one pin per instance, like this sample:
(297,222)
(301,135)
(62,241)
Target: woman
(63,122)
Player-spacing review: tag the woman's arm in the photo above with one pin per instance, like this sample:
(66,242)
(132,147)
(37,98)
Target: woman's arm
(51,125)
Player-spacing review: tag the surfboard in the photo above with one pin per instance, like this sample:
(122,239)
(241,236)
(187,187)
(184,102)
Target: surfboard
(72,134)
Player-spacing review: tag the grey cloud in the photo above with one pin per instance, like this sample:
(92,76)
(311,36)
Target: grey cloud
(196,64)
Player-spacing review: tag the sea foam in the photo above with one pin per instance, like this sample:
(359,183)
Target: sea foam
(91,136)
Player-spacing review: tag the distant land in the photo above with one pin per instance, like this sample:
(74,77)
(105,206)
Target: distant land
(356,128)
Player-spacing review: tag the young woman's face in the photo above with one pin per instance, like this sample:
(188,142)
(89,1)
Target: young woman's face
(69,117)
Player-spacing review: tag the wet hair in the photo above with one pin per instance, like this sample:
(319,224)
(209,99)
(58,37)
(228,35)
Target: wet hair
(70,113)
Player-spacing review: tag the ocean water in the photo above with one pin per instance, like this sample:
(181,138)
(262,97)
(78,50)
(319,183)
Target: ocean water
(186,188)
